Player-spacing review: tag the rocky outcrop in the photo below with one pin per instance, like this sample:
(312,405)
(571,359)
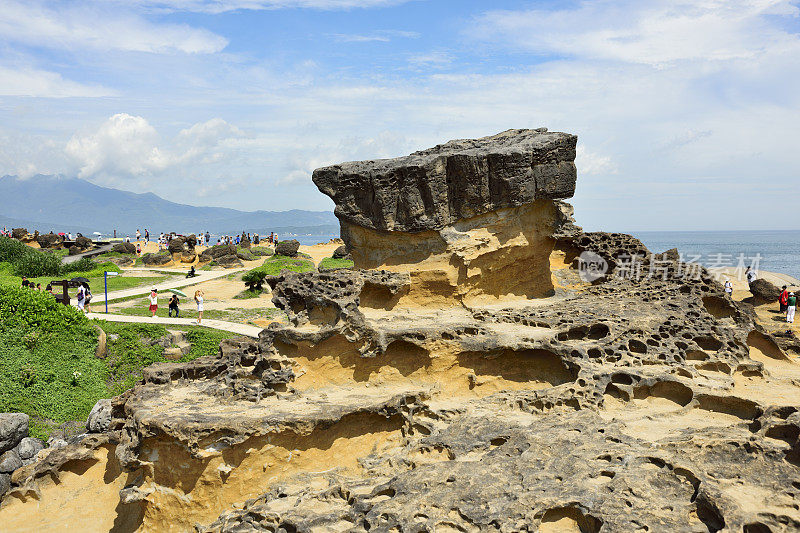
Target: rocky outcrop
(504,371)
(124,248)
(341,252)
(19,233)
(17,449)
(764,292)
(157,259)
(49,240)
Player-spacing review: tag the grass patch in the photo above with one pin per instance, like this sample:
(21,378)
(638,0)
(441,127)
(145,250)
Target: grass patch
(275,264)
(332,264)
(49,371)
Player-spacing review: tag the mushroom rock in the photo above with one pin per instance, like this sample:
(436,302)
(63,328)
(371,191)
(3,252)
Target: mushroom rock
(469,219)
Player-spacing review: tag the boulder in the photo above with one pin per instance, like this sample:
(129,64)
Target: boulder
(151,259)
(287,248)
(228,261)
(19,233)
(341,252)
(13,428)
(99,419)
(205,257)
(102,343)
(74,250)
(29,447)
(220,250)
(176,245)
(461,179)
(261,251)
(764,291)
(191,241)
(84,243)
(188,256)
(49,240)
(5,484)
(9,462)
(124,248)
(245,255)
(244,243)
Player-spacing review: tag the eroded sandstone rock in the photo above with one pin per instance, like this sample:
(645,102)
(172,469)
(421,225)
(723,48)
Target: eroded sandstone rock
(475,380)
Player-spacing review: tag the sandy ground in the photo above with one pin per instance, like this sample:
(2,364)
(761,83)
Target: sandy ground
(320,251)
(220,293)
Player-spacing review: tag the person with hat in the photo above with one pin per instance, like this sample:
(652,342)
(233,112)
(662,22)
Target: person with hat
(792,302)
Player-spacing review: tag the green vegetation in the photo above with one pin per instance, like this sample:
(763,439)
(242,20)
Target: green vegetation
(232,314)
(49,369)
(332,264)
(254,279)
(31,262)
(129,352)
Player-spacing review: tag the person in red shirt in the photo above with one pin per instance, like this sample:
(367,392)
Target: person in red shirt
(783,299)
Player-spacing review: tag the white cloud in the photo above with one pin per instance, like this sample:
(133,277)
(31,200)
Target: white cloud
(589,163)
(85,25)
(435,59)
(223,6)
(649,32)
(383,36)
(30,81)
(126,146)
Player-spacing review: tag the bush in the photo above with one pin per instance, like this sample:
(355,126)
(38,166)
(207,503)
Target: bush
(254,279)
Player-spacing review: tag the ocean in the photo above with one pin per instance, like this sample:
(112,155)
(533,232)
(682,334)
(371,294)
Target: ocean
(774,251)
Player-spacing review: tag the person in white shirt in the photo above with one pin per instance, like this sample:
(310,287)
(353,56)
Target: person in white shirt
(153,301)
(751,275)
(198,298)
(728,287)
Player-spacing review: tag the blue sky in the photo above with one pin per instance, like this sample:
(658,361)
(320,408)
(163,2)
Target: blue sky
(686,111)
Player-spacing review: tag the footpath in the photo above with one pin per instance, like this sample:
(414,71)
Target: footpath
(176,283)
(241,329)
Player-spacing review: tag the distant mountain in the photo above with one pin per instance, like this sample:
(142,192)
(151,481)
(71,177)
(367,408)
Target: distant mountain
(58,203)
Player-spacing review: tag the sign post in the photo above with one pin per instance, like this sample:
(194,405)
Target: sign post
(105,282)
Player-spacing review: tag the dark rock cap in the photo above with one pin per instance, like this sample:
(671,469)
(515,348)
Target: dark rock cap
(430,189)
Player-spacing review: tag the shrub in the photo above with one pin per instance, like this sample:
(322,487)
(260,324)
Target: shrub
(254,279)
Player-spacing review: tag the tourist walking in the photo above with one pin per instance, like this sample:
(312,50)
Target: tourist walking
(138,249)
(153,302)
(198,298)
(173,306)
(783,299)
(81,298)
(751,275)
(87,298)
(792,301)
(138,235)
(146,236)
(728,287)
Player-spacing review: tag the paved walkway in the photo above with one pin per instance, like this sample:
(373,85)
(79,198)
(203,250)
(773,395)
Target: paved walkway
(91,253)
(99,295)
(241,329)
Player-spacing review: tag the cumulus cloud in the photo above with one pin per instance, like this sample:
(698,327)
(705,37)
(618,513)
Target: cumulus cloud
(73,25)
(126,146)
